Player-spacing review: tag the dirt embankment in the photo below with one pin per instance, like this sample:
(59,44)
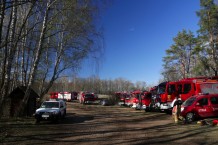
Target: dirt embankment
(95,124)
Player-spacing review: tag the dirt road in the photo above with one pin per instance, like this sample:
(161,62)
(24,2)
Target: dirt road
(95,124)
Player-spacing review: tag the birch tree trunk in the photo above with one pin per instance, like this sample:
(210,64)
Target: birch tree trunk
(2,16)
(36,61)
(9,55)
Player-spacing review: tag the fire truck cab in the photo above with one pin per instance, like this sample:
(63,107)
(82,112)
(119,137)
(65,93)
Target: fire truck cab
(144,100)
(168,93)
(195,86)
(122,98)
(134,100)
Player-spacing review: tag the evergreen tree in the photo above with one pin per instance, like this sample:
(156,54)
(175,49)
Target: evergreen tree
(179,61)
(208,36)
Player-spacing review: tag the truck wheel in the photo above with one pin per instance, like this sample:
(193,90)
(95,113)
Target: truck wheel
(166,111)
(149,108)
(190,117)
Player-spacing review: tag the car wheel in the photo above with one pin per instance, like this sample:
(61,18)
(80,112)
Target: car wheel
(103,103)
(190,117)
(64,114)
(37,121)
(57,120)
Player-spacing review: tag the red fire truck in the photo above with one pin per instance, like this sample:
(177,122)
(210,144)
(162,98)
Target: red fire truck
(155,100)
(183,89)
(54,95)
(167,92)
(134,99)
(122,97)
(144,100)
(66,96)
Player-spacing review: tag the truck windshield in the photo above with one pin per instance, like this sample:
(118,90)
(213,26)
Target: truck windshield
(171,89)
(209,88)
(161,88)
(189,101)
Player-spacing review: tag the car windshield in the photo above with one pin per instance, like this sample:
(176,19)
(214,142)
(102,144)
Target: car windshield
(50,105)
(209,88)
(189,101)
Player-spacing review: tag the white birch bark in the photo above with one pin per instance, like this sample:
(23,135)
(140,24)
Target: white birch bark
(36,60)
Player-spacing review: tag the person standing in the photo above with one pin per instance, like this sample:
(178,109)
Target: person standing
(177,109)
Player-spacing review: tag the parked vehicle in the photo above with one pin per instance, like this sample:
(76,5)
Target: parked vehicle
(120,98)
(129,100)
(155,100)
(194,86)
(66,96)
(144,101)
(74,95)
(123,98)
(51,110)
(134,99)
(54,95)
(87,97)
(170,92)
(200,106)
(167,92)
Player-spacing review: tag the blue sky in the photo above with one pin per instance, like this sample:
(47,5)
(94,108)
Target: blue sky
(136,35)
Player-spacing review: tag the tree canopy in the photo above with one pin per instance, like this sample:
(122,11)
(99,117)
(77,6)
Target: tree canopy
(191,55)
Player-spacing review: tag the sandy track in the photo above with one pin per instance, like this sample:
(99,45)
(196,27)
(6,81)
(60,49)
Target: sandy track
(95,124)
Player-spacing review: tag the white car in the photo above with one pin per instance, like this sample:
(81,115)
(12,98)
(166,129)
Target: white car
(51,110)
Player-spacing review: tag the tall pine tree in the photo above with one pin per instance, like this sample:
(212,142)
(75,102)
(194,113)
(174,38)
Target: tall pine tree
(208,36)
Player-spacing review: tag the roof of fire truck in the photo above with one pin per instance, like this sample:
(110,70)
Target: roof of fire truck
(199,80)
